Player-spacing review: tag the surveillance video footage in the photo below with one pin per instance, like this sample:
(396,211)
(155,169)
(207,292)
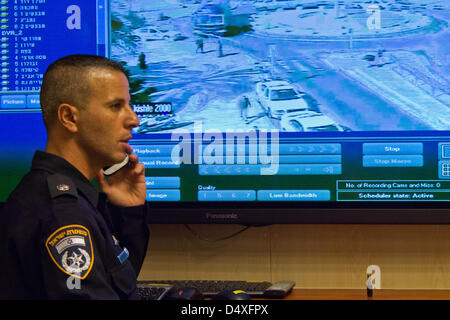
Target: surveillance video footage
(291,65)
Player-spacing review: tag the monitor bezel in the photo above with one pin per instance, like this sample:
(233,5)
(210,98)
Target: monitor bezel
(263,213)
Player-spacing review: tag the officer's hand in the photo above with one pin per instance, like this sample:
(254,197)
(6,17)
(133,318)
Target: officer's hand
(125,188)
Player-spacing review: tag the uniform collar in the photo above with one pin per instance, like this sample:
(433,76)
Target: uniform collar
(54,164)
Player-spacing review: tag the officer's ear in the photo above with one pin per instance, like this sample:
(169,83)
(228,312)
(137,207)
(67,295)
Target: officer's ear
(68,116)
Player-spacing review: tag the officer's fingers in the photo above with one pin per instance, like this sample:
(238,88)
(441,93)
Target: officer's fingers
(139,169)
(101,180)
(133,158)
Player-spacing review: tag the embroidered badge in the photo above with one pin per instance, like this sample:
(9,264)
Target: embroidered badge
(70,248)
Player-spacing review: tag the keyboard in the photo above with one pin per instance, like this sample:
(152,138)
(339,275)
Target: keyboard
(209,288)
(153,291)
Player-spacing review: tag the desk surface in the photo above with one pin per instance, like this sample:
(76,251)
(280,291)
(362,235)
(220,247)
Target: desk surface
(359,294)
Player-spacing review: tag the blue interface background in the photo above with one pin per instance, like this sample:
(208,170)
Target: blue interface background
(33,34)
(360,69)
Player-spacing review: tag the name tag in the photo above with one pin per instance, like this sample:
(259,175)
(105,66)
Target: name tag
(123,256)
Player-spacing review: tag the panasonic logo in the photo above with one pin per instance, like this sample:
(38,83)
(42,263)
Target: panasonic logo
(232,216)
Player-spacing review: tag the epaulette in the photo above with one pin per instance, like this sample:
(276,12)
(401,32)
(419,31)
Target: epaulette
(61,185)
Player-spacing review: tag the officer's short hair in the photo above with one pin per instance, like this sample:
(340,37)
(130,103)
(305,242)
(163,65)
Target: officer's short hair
(67,80)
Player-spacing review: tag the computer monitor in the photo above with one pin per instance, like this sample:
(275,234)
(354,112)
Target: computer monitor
(256,111)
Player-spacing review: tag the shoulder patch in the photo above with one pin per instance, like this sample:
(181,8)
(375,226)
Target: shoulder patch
(70,248)
(59,185)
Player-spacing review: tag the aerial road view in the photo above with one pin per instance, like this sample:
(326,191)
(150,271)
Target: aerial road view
(291,65)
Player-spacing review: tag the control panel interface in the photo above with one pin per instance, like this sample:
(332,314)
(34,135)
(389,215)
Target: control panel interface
(34,33)
(264,166)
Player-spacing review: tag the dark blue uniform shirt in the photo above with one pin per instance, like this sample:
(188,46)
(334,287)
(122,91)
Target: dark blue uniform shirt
(61,239)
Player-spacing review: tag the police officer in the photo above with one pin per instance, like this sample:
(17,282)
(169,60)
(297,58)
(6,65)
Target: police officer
(61,238)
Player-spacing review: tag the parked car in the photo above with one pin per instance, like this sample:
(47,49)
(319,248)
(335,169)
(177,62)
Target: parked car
(279,97)
(309,121)
(152,34)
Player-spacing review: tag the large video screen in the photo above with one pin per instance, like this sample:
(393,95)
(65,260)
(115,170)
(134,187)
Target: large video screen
(253,104)
(354,93)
